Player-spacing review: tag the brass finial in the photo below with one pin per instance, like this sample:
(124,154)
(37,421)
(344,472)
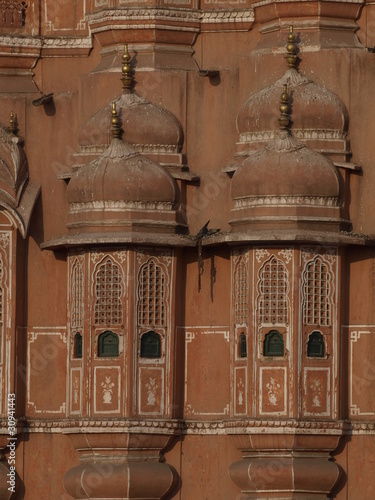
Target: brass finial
(12,124)
(292,49)
(284,119)
(127,73)
(115,123)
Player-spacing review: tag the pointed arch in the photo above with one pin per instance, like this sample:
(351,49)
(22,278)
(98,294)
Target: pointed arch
(108,291)
(152,306)
(273,293)
(317,289)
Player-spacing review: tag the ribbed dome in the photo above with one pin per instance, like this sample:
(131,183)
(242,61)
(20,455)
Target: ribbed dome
(286,168)
(314,108)
(148,127)
(121,174)
(122,191)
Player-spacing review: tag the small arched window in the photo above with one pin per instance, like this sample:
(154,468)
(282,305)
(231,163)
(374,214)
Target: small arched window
(78,345)
(315,345)
(108,345)
(273,344)
(243,345)
(150,345)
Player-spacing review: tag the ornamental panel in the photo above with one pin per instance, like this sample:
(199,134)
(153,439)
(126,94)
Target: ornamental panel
(273,391)
(317,394)
(207,382)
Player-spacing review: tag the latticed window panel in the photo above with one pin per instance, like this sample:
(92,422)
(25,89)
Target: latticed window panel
(317,308)
(77,295)
(151,296)
(273,288)
(12,13)
(241,308)
(108,291)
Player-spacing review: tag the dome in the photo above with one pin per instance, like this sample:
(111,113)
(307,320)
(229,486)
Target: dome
(314,108)
(148,127)
(122,189)
(286,183)
(121,174)
(286,167)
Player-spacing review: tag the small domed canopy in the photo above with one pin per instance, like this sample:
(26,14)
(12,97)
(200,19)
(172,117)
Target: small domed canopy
(286,167)
(314,108)
(286,183)
(122,191)
(148,127)
(320,119)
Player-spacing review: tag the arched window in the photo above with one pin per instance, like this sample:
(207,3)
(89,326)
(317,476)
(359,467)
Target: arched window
(273,344)
(241,306)
(78,345)
(151,295)
(317,292)
(108,345)
(77,295)
(108,291)
(315,345)
(273,293)
(150,345)
(243,345)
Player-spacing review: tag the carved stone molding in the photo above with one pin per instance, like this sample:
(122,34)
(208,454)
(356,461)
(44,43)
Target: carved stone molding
(121,461)
(291,465)
(286,200)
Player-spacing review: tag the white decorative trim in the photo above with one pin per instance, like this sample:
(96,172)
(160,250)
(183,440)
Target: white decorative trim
(32,336)
(321,201)
(272,369)
(171,14)
(73,389)
(190,335)
(310,134)
(107,368)
(355,336)
(151,390)
(120,205)
(240,390)
(61,42)
(326,411)
(50,26)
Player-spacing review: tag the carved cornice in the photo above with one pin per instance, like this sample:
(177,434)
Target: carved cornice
(172,14)
(230,427)
(40,42)
(143,14)
(120,205)
(70,426)
(272,201)
(311,134)
(142,148)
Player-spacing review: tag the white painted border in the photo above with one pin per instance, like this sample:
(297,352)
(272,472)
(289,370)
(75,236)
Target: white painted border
(32,334)
(327,412)
(272,368)
(94,388)
(355,335)
(190,334)
(162,396)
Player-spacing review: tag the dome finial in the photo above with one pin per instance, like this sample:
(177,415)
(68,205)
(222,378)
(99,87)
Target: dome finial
(284,119)
(292,49)
(12,129)
(115,123)
(127,73)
